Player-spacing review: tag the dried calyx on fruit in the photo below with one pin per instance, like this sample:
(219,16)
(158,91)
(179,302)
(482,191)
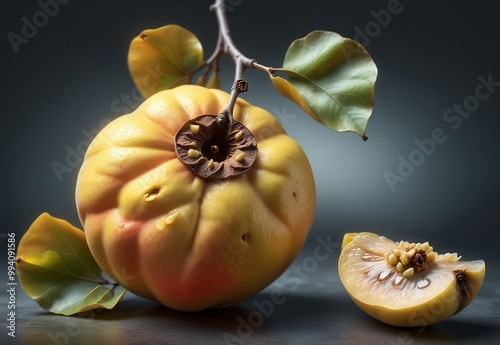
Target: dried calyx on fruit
(214,150)
(406,284)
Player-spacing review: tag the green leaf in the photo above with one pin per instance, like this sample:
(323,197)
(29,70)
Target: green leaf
(331,78)
(56,269)
(163,58)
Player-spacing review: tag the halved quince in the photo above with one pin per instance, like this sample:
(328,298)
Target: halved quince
(406,284)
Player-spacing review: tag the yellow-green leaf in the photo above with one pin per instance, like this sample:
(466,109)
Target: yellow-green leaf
(164,58)
(56,269)
(286,89)
(202,80)
(332,78)
(214,81)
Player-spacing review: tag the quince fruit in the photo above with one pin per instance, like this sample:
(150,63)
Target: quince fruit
(172,211)
(406,284)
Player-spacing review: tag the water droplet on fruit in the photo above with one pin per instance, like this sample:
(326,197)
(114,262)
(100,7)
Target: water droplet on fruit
(121,225)
(385,274)
(172,216)
(423,283)
(371,257)
(162,223)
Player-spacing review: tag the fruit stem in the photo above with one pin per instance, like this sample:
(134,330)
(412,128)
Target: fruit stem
(225,45)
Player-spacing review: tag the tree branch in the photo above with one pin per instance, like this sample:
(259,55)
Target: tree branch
(225,45)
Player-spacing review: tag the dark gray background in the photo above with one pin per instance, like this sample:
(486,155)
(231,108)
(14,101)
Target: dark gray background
(72,75)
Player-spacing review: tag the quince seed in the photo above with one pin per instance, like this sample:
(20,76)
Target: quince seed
(240,157)
(404,259)
(194,128)
(392,259)
(409,272)
(193,153)
(400,267)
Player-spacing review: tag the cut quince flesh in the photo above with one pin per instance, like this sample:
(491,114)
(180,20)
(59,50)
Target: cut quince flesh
(406,284)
